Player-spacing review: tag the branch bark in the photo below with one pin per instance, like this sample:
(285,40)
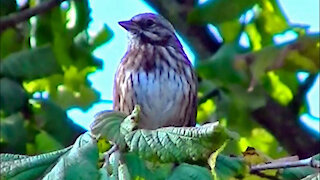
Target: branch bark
(18,17)
(286,164)
(176,11)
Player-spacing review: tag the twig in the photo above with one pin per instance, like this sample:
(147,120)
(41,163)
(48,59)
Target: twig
(107,155)
(277,165)
(15,18)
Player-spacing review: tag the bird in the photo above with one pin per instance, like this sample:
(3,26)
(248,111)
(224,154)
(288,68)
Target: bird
(156,74)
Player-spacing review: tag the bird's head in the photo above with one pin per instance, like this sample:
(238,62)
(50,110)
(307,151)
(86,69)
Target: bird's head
(151,28)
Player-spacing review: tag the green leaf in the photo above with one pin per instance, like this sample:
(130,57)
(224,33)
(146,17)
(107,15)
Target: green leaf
(224,10)
(227,167)
(13,134)
(63,164)
(139,169)
(314,176)
(10,41)
(12,96)
(299,55)
(104,35)
(27,167)
(297,173)
(107,125)
(30,64)
(44,143)
(277,89)
(80,162)
(190,172)
(213,159)
(79,16)
(220,68)
(52,119)
(270,21)
(177,144)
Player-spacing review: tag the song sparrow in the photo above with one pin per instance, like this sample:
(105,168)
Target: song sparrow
(156,74)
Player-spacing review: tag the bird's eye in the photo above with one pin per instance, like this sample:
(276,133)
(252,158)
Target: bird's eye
(149,23)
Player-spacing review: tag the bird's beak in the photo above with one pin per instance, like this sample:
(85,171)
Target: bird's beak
(129,25)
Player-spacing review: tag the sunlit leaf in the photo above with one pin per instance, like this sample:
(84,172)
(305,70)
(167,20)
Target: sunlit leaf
(254,36)
(205,110)
(213,159)
(44,143)
(101,37)
(270,20)
(10,40)
(278,91)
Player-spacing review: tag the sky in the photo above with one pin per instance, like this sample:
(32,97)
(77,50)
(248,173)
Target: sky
(110,13)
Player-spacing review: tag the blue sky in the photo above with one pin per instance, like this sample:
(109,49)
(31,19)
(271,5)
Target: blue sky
(108,12)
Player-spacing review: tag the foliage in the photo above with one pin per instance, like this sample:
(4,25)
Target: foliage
(46,56)
(83,156)
(248,78)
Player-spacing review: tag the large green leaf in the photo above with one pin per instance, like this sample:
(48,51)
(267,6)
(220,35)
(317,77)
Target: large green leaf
(44,143)
(75,162)
(12,96)
(190,172)
(80,162)
(173,144)
(30,64)
(52,119)
(169,144)
(107,125)
(27,167)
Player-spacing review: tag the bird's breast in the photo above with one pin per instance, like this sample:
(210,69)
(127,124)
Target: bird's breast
(160,95)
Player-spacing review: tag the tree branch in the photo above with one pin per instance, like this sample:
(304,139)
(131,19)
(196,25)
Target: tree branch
(286,164)
(15,18)
(198,36)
